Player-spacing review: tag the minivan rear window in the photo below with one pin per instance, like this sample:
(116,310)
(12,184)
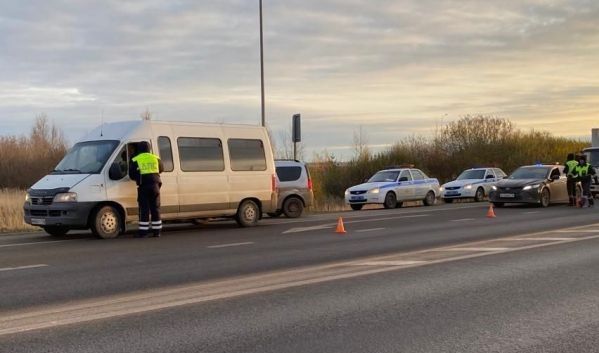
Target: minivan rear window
(289,173)
(247,155)
(201,154)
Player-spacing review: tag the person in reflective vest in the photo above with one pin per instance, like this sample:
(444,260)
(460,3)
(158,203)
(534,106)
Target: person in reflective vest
(584,173)
(569,170)
(145,169)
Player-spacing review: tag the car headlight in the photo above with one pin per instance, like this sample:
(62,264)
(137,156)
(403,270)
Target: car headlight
(375,191)
(528,187)
(468,187)
(494,187)
(441,188)
(66,197)
(346,192)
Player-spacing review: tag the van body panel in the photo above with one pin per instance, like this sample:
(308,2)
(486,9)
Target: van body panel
(185,194)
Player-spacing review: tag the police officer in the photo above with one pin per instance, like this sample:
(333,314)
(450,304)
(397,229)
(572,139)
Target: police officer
(569,170)
(145,169)
(584,173)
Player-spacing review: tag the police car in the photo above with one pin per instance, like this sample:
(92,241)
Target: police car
(473,183)
(391,187)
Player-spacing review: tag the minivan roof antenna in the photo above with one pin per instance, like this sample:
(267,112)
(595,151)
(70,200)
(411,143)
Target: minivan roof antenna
(102,123)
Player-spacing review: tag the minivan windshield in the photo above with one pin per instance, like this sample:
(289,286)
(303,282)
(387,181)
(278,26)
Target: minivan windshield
(530,173)
(593,157)
(472,174)
(86,157)
(384,176)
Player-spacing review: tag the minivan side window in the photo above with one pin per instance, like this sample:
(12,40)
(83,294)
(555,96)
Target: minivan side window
(290,173)
(247,155)
(165,153)
(201,154)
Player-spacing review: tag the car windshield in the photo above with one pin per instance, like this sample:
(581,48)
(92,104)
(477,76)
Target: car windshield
(86,157)
(384,176)
(472,174)
(530,173)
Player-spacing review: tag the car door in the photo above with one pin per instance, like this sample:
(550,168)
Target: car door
(558,187)
(421,186)
(490,180)
(405,189)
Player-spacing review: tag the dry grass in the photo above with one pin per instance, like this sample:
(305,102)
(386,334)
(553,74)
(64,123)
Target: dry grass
(11,211)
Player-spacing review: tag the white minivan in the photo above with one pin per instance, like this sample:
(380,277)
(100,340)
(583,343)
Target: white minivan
(210,170)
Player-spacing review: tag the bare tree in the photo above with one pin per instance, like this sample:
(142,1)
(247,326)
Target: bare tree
(146,114)
(284,148)
(360,144)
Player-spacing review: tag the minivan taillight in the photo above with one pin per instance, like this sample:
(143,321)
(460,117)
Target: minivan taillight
(274,183)
(310,184)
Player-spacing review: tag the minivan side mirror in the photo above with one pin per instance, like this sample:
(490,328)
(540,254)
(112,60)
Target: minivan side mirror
(116,172)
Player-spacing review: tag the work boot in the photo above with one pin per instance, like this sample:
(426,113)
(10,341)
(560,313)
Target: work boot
(156,235)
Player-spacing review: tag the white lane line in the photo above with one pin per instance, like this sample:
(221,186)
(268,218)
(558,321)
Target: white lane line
(463,220)
(229,245)
(544,239)
(531,212)
(332,225)
(390,263)
(577,231)
(472,249)
(32,243)
(21,267)
(368,230)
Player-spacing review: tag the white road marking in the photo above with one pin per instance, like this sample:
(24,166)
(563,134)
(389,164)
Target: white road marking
(544,239)
(32,243)
(472,249)
(463,220)
(368,230)
(229,245)
(531,212)
(577,231)
(332,225)
(390,263)
(21,267)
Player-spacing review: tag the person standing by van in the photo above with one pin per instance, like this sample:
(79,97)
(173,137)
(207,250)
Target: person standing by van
(570,170)
(585,173)
(145,169)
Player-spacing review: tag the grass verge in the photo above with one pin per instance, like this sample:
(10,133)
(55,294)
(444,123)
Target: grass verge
(11,211)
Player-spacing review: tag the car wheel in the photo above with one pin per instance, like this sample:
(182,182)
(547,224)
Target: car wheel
(356,207)
(499,204)
(248,214)
(399,204)
(293,207)
(106,223)
(429,200)
(479,195)
(275,214)
(545,198)
(56,231)
(390,200)
(448,200)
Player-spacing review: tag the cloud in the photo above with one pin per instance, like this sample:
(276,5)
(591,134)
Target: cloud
(395,67)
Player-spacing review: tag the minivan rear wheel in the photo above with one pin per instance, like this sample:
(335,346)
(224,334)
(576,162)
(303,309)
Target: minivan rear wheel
(248,214)
(293,207)
(106,223)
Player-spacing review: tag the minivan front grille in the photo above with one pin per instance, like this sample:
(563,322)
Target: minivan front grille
(41,201)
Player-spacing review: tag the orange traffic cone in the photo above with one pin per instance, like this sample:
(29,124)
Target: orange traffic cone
(491,212)
(340,228)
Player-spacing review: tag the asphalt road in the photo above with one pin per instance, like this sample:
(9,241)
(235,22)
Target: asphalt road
(541,299)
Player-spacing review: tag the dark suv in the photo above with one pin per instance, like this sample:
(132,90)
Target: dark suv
(295,188)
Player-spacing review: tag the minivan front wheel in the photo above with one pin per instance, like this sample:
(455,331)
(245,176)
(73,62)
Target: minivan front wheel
(248,214)
(106,223)
(293,207)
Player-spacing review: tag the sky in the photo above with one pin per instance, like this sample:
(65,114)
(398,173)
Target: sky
(390,68)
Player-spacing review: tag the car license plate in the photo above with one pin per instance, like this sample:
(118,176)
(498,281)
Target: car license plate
(38,221)
(507,196)
(451,193)
(357,198)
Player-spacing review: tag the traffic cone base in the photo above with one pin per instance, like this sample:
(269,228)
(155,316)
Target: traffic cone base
(491,212)
(340,228)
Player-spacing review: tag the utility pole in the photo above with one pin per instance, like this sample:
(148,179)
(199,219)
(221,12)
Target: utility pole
(262,68)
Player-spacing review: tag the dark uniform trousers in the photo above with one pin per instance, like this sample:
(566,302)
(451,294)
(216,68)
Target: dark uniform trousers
(571,185)
(148,198)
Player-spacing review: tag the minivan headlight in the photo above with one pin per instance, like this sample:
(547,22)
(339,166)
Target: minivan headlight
(66,197)
(27,198)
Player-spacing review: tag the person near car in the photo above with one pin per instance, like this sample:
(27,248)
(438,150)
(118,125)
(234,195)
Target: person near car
(569,170)
(145,169)
(584,173)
